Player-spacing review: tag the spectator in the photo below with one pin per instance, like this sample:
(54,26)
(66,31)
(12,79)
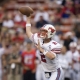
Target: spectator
(8,22)
(76,64)
(17,17)
(68,40)
(19,20)
(5,45)
(68,8)
(18,38)
(1,12)
(41,12)
(70,56)
(1,18)
(78,32)
(2,50)
(28,62)
(41,22)
(74,37)
(77,8)
(13,66)
(78,48)
(64,63)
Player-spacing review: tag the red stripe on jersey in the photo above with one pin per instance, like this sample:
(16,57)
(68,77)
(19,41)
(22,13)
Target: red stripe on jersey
(56,50)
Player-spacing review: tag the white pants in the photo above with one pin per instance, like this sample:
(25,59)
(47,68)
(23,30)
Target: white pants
(56,75)
(40,73)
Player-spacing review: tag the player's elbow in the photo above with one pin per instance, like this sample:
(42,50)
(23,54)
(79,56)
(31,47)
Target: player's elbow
(50,55)
(53,55)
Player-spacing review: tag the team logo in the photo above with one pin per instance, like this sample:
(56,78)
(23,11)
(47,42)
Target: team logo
(50,47)
(51,29)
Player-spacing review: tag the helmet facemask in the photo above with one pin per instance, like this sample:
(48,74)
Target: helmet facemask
(48,31)
(43,34)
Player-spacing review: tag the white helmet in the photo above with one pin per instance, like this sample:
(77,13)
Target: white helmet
(50,31)
(73,44)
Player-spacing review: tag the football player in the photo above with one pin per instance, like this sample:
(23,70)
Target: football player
(48,50)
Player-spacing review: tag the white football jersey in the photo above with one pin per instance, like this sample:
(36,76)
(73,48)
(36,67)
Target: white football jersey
(48,64)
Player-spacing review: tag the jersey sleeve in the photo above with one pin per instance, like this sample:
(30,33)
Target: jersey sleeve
(56,48)
(34,38)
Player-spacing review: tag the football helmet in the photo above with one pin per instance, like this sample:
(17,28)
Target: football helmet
(73,45)
(48,31)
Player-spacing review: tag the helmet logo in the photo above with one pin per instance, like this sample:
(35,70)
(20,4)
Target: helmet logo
(51,29)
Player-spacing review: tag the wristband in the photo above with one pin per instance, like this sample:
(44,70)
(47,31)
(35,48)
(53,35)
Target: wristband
(45,52)
(28,25)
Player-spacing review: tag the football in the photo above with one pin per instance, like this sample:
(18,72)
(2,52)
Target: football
(26,10)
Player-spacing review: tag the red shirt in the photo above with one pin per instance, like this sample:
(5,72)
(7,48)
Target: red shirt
(18,39)
(28,59)
(21,23)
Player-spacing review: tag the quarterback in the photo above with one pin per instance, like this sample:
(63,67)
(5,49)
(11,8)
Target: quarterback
(49,50)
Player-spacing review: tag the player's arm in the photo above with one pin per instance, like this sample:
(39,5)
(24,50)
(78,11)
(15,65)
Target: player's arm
(51,55)
(28,27)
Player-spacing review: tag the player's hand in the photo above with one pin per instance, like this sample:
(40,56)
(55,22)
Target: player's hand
(28,19)
(39,47)
(29,16)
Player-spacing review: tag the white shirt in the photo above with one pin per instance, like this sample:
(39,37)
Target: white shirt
(8,24)
(44,14)
(63,61)
(76,64)
(48,64)
(69,55)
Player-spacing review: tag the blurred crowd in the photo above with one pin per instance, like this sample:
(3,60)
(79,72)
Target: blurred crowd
(19,59)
